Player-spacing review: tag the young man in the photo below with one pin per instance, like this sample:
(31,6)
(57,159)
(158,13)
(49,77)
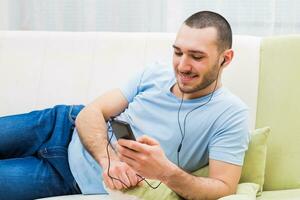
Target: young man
(190,112)
(183,118)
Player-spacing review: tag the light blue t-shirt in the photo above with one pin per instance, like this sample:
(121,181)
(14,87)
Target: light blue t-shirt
(218,130)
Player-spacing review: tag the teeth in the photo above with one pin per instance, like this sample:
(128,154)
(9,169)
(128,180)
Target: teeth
(188,76)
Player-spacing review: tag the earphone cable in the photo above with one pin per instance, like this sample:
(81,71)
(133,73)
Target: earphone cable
(185,117)
(178,121)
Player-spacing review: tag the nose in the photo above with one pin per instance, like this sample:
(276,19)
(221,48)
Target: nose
(184,64)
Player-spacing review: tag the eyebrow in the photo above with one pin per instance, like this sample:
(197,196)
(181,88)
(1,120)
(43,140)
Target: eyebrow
(191,51)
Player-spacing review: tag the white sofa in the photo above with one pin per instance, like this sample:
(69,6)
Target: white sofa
(41,69)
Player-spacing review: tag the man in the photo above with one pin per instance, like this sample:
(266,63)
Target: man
(216,132)
(183,118)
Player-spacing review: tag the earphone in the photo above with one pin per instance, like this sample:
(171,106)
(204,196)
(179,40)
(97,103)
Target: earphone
(223,62)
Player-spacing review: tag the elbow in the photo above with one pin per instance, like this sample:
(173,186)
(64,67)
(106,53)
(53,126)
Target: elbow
(229,190)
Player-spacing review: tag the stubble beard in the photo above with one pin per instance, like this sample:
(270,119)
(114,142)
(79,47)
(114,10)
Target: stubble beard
(206,81)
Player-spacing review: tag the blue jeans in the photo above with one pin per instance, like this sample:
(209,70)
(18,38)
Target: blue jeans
(34,153)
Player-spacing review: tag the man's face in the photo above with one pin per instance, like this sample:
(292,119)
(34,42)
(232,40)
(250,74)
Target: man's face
(196,58)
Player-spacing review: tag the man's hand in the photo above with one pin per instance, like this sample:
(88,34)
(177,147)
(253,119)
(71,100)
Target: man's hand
(118,170)
(145,156)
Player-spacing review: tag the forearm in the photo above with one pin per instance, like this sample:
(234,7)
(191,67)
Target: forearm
(192,187)
(92,130)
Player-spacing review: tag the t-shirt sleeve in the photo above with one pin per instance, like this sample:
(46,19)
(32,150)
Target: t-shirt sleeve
(230,142)
(132,87)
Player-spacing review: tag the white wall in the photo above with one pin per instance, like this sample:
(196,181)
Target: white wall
(4,15)
(250,17)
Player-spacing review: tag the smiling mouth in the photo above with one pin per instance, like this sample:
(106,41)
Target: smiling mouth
(187,77)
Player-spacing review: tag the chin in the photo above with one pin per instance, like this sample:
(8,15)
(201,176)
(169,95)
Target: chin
(189,89)
(186,89)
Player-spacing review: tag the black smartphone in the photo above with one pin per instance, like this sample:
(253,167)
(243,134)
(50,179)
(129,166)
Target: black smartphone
(122,130)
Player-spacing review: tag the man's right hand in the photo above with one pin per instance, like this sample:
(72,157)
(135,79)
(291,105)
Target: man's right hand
(119,170)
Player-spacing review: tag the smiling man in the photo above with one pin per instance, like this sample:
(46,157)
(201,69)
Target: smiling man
(182,116)
(197,61)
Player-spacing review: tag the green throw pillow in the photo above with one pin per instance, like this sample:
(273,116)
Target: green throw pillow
(253,171)
(255,159)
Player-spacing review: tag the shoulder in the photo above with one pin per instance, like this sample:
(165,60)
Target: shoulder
(231,101)
(232,111)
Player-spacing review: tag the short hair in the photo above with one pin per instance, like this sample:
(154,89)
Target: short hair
(205,19)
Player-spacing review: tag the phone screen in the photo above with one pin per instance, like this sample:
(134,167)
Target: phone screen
(122,130)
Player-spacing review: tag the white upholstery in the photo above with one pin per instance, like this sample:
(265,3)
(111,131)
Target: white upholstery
(94,197)
(41,69)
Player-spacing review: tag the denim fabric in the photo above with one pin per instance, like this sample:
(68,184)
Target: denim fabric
(34,153)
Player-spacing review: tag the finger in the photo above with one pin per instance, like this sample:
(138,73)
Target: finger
(109,184)
(123,151)
(147,140)
(140,180)
(126,181)
(129,161)
(108,181)
(132,177)
(118,184)
(118,179)
(132,145)
(112,180)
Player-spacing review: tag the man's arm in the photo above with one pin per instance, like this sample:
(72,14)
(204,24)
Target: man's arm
(146,154)
(92,130)
(222,181)
(91,122)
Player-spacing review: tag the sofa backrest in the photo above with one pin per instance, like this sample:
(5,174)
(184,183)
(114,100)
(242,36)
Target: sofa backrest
(40,69)
(279,108)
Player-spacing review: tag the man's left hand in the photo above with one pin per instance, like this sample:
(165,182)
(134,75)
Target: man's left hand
(145,156)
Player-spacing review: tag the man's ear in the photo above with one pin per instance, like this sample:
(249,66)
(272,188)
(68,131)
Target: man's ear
(227,57)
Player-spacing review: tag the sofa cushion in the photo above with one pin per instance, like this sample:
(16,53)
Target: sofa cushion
(81,197)
(245,191)
(279,108)
(280,195)
(255,159)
